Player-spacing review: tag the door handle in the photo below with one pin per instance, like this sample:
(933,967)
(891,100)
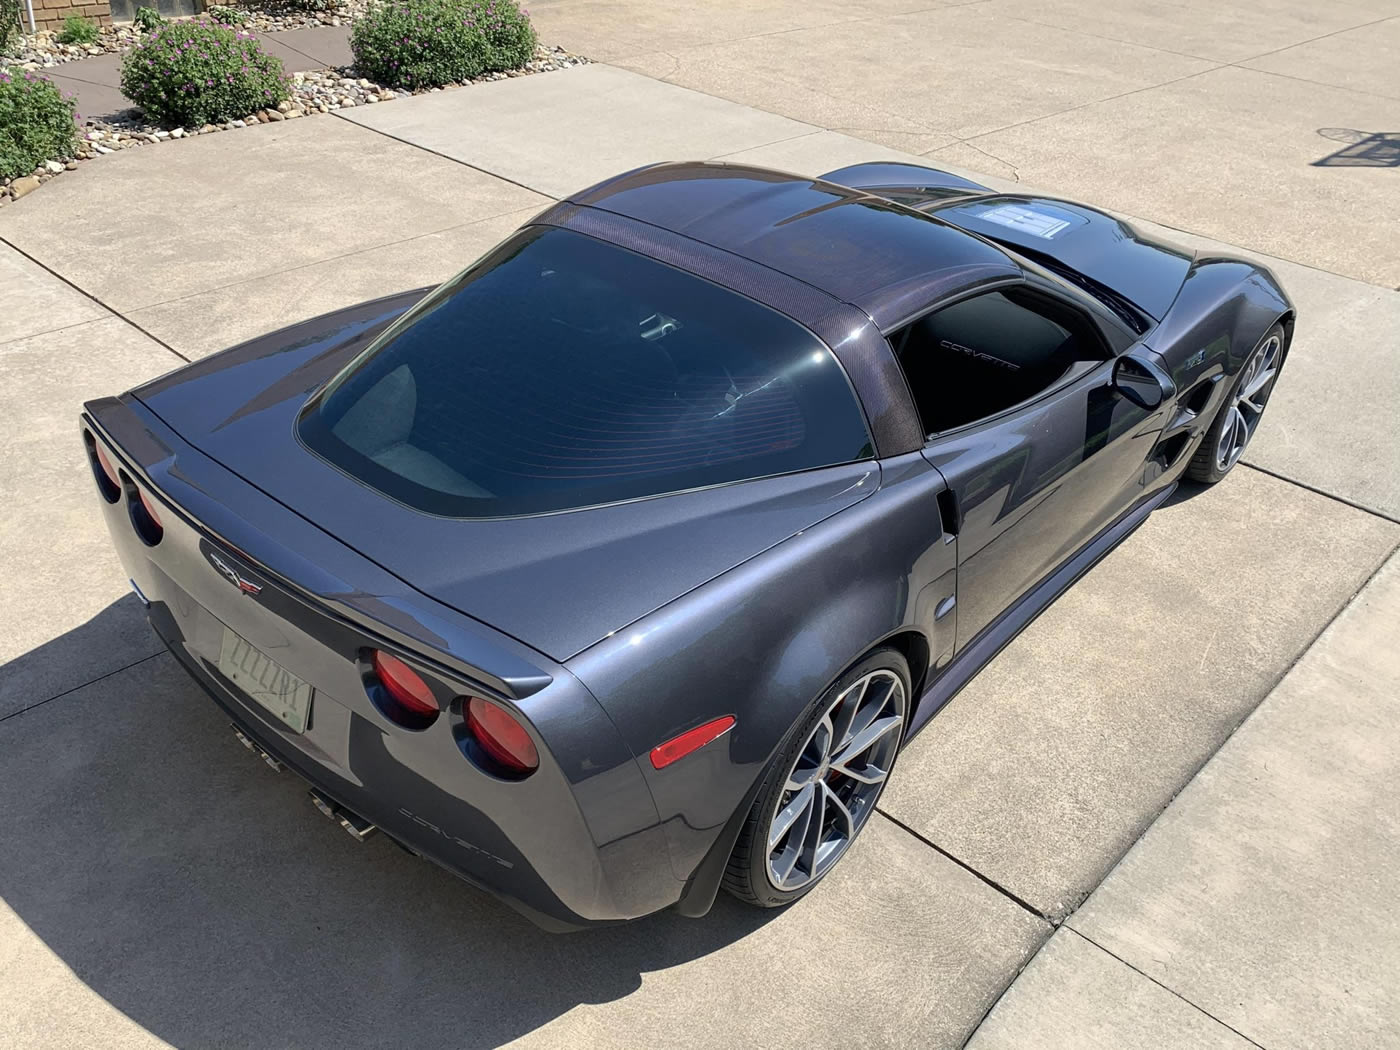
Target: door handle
(945,607)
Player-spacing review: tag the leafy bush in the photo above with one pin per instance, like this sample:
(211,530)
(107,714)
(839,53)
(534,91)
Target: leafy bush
(228,16)
(428,43)
(190,73)
(9,23)
(36,123)
(148,19)
(77,30)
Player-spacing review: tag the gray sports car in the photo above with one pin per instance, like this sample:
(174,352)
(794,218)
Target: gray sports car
(620,567)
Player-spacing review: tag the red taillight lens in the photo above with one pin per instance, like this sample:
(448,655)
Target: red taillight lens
(109,482)
(501,737)
(142,511)
(404,685)
(106,465)
(150,506)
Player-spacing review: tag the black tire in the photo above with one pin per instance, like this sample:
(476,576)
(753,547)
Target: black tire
(1205,465)
(746,875)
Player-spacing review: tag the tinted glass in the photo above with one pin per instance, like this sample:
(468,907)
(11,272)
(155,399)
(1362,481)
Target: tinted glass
(562,371)
(981,356)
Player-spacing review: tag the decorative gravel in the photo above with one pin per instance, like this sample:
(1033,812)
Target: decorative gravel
(42,50)
(314,93)
(276,18)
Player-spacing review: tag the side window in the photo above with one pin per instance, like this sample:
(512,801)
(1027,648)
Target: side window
(983,355)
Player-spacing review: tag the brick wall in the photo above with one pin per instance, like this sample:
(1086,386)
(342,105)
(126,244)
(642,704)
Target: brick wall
(49,14)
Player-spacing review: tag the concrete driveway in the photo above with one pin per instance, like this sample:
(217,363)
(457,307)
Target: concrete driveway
(1273,124)
(159,886)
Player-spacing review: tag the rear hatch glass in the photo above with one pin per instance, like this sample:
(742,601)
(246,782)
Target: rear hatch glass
(563,372)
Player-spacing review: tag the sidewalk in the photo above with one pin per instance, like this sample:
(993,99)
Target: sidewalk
(1261,908)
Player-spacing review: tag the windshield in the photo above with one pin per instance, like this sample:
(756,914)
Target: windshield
(561,371)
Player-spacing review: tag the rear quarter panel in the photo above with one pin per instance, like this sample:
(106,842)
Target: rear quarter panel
(764,640)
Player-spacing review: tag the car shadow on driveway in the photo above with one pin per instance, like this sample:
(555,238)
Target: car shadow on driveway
(201,894)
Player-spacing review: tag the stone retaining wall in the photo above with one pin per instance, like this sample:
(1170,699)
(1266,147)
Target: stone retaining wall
(49,14)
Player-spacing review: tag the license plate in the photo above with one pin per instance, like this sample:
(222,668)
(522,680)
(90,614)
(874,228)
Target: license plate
(265,681)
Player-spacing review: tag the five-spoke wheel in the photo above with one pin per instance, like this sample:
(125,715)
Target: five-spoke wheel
(1238,418)
(1248,403)
(823,787)
(832,786)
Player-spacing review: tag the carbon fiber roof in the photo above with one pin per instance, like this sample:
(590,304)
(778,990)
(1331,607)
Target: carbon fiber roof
(856,247)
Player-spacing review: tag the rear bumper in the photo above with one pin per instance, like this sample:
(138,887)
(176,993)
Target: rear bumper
(521,889)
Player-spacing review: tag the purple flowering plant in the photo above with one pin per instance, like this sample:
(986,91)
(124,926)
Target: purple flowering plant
(419,44)
(37,123)
(186,74)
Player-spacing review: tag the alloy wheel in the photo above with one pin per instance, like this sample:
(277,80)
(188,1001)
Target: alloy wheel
(832,786)
(1247,408)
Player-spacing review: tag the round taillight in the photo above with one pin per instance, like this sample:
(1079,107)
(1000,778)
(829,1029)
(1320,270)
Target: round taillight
(150,506)
(142,511)
(107,468)
(108,483)
(502,739)
(405,685)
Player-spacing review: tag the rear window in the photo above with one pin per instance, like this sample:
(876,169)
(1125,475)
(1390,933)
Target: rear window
(561,371)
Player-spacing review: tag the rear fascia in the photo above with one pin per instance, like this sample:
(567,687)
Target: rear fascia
(576,843)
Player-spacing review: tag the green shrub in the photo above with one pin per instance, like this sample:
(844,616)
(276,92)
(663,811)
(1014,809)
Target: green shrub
(428,43)
(148,19)
(190,73)
(9,23)
(77,30)
(228,16)
(36,123)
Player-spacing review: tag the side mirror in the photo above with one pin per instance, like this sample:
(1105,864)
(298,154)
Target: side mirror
(1141,381)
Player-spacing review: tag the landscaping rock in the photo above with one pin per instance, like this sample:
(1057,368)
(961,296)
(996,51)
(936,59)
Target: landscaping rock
(317,91)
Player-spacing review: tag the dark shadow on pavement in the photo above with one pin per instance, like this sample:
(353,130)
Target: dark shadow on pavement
(117,636)
(1185,490)
(1379,149)
(201,894)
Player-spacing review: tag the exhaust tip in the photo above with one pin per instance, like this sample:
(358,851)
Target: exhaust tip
(250,744)
(355,825)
